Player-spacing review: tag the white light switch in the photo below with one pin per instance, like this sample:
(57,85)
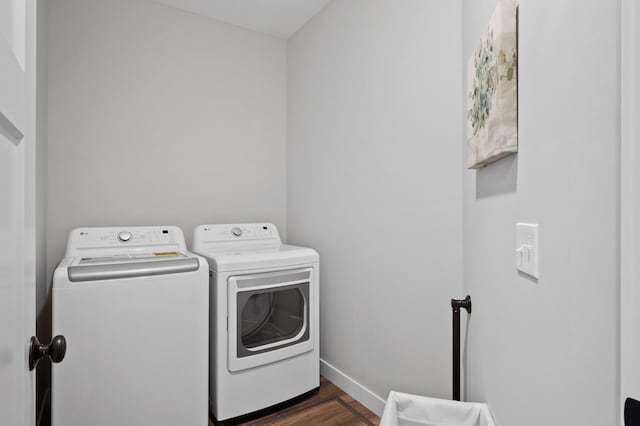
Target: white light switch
(527,252)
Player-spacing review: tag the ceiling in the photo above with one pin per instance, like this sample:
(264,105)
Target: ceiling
(280,18)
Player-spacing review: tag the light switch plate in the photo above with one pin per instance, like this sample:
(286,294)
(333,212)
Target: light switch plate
(527,251)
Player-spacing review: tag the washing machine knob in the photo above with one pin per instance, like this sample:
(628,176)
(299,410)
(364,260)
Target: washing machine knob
(236,231)
(125,236)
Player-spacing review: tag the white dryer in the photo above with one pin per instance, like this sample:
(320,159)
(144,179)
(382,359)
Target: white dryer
(132,304)
(264,319)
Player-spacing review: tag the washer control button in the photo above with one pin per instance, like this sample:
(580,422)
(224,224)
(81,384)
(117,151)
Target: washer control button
(125,236)
(237,232)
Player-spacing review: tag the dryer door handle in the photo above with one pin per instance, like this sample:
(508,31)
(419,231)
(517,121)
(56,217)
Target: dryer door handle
(55,350)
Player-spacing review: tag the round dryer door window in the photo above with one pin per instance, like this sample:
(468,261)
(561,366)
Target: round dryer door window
(271,317)
(271,311)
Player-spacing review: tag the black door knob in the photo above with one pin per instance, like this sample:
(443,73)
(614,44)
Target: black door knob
(55,350)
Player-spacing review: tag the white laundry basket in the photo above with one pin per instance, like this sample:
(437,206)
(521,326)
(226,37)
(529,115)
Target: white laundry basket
(404,409)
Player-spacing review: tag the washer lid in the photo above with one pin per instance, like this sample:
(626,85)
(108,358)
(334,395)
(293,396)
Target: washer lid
(120,267)
(259,258)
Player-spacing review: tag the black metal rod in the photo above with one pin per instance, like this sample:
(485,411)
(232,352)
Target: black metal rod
(456,354)
(456,304)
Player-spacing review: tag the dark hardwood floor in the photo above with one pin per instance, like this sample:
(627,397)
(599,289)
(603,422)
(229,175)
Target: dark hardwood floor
(330,406)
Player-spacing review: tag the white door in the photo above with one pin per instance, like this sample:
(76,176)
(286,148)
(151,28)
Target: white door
(630,202)
(17,202)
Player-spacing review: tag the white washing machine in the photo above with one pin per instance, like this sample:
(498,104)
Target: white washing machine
(133,306)
(264,319)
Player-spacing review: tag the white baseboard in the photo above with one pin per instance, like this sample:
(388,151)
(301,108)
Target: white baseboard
(360,393)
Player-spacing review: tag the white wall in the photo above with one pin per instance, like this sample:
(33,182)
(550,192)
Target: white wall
(158,116)
(374,184)
(545,352)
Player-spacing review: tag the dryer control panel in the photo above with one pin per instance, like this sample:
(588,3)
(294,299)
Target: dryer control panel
(238,233)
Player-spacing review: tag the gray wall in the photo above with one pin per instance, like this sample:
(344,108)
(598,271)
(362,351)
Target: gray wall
(374,184)
(546,352)
(158,116)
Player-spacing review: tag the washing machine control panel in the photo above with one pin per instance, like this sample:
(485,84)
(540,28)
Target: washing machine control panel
(95,238)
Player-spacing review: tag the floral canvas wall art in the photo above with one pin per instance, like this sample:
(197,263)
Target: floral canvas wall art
(492,90)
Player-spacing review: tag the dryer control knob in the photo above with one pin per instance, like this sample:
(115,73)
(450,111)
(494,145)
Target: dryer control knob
(236,232)
(125,236)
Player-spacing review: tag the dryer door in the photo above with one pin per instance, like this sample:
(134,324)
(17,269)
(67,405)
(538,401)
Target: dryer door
(269,317)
